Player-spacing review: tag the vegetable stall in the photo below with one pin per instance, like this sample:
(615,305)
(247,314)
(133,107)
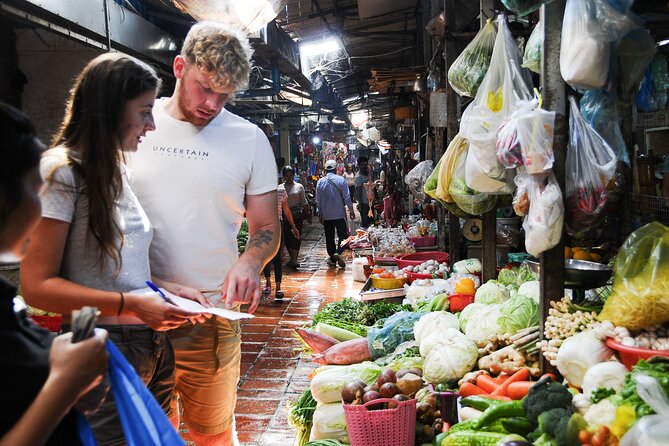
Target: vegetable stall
(568,348)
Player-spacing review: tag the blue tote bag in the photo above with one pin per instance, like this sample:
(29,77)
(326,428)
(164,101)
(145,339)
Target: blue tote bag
(144,422)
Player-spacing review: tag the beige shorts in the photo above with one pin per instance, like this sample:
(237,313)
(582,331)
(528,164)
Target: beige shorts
(207,373)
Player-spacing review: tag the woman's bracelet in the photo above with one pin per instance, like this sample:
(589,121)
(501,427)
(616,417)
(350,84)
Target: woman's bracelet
(120,307)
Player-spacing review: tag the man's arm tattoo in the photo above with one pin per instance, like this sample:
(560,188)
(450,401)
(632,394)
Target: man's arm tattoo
(260,239)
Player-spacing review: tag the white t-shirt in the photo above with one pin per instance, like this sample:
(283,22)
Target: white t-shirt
(192,182)
(65,201)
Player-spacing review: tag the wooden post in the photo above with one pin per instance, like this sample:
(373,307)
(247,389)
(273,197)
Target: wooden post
(553,90)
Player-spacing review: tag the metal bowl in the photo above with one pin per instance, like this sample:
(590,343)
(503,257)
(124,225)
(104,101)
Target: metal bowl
(579,273)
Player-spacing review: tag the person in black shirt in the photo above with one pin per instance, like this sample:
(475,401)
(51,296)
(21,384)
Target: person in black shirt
(42,376)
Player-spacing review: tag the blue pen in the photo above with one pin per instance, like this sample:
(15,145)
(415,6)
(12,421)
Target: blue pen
(160,292)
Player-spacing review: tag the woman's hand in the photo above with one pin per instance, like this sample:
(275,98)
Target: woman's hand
(77,368)
(295,232)
(156,313)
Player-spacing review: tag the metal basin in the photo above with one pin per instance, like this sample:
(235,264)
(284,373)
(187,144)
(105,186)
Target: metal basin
(579,274)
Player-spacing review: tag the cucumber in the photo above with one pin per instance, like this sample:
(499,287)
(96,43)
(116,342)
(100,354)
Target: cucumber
(338,333)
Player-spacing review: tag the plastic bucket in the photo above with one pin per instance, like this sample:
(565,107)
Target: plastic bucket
(419,257)
(387,427)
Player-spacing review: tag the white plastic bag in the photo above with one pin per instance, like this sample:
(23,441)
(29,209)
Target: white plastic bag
(467,199)
(535,133)
(651,430)
(503,86)
(467,72)
(584,58)
(521,198)
(543,223)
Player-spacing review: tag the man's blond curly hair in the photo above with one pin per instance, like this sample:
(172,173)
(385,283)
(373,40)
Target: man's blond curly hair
(221,51)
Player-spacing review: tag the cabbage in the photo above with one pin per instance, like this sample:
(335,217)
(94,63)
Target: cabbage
(530,289)
(327,384)
(517,313)
(328,422)
(451,361)
(579,353)
(468,312)
(610,375)
(439,338)
(491,293)
(433,322)
(484,324)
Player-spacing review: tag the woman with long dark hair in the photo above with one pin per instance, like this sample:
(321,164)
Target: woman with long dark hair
(91,246)
(299,207)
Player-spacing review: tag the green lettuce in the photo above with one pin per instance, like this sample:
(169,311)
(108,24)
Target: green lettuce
(517,313)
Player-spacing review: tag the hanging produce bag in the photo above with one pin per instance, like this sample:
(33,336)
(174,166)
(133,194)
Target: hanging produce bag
(652,95)
(467,72)
(467,199)
(640,295)
(534,49)
(431,190)
(590,166)
(503,86)
(524,7)
(450,160)
(600,110)
(417,177)
(521,198)
(635,53)
(544,221)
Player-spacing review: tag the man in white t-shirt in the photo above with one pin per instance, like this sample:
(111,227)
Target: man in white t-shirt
(196,176)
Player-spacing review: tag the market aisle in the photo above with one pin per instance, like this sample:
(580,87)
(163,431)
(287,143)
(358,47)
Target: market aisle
(272,370)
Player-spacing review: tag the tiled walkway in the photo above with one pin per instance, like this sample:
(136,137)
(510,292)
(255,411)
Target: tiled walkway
(273,369)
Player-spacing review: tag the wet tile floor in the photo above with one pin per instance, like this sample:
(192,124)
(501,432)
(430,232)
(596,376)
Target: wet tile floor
(273,370)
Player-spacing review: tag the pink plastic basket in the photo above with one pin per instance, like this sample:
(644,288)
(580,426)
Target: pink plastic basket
(387,427)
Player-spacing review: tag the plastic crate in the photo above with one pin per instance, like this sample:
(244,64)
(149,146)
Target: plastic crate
(387,427)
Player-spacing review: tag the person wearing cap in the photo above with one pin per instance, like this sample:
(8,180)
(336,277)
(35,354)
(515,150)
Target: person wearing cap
(333,197)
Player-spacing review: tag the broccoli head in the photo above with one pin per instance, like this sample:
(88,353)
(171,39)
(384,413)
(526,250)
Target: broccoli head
(544,396)
(554,423)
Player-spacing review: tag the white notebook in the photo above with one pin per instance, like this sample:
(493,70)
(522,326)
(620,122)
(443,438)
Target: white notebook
(191,305)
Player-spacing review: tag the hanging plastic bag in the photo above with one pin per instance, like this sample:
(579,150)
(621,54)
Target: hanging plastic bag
(417,177)
(524,7)
(652,95)
(534,49)
(635,52)
(467,72)
(590,166)
(651,430)
(521,198)
(503,86)
(613,19)
(396,329)
(144,422)
(640,294)
(584,58)
(431,190)
(467,199)
(535,132)
(544,221)
(450,159)
(600,110)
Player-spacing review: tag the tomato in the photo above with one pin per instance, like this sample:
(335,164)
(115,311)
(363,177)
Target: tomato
(465,286)
(584,437)
(378,270)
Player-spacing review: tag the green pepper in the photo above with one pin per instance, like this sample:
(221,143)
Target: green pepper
(518,425)
(480,402)
(504,410)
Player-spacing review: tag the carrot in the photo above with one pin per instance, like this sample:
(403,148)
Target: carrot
(520,375)
(487,383)
(498,397)
(501,378)
(549,375)
(517,390)
(469,389)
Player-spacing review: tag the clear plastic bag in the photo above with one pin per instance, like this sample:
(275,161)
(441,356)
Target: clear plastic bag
(534,49)
(467,199)
(535,132)
(600,110)
(431,189)
(396,329)
(503,86)
(640,294)
(652,95)
(651,430)
(590,166)
(471,66)
(613,19)
(635,52)
(544,221)
(417,177)
(524,7)
(521,198)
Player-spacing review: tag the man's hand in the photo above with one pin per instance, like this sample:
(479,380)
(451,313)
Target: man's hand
(242,285)
(352,214)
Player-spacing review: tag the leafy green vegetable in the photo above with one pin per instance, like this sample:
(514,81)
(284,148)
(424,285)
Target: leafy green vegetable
(300,416)
(356,312)
(517,313)
(471,66)
(601,393)
(656,367)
